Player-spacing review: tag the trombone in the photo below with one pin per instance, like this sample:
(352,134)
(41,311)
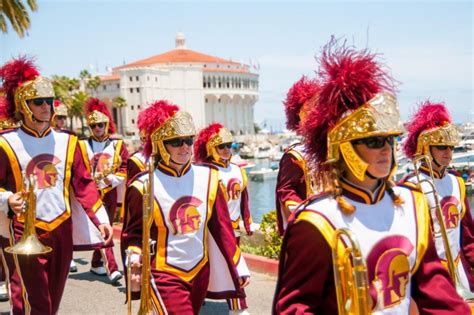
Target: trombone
(148,203)
(350,276)
(29,244)
(465,293)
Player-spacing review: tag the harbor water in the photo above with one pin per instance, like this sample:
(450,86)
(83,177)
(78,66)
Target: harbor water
(262,194)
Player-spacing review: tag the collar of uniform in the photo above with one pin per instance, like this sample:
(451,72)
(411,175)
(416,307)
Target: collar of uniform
(425,170)
(221,163)
(359,194)
(99,140)
(35,133)
(171,171)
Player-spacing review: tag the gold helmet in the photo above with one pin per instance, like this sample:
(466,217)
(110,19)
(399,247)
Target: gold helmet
(21,83)
(354,100)
(207,141)
(166,123)
(98,112)
(430,126)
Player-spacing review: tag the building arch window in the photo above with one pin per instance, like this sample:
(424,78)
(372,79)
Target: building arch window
(131,79)
(133,121)
(132,107)
(131,90)
(136,78)
(138,90)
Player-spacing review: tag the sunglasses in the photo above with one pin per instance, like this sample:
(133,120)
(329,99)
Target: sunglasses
(100,125)
(41,101)
(375,142)
(222,146)
(444,147)
(178,142)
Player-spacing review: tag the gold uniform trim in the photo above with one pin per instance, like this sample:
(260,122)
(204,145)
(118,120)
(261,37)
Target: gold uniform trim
(85,156)
(423,224)
(462,191)
(160,257)
(138,163)
(16,170)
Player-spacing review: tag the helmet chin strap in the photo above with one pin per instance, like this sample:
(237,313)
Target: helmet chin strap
(34,119)
(370,175)
(177,162)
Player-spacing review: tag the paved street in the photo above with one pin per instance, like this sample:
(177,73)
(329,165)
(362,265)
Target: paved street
(89,294)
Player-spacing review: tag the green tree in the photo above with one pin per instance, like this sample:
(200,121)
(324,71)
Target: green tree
(119,103)
(93,83)
(16,13)
(77,107)
(64,88)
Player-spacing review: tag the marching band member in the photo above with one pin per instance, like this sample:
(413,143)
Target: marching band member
(106,160)
(60,116)
(213,146)
(432,133)
(54,159)
(350,135)
(196,250)
(294,182)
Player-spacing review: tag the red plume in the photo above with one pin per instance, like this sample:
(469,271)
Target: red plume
(93,104)
(348,79)
(299,93)
(14,74)
(154,117)
(3,108)
(200,151)
(56,103)
(429,115)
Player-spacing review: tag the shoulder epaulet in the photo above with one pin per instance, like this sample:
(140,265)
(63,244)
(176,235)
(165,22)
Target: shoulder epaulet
(66,131)
(115,137)
(406,178)
(410,186)
(311,199)
(4,131)
(206,164)
(292,146)
(134,177)
(454,172)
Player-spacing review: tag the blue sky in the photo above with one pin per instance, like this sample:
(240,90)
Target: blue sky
(428,45)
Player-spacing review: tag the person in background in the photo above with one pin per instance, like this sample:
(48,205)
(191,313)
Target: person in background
(196,252)
(431,133)
(106,158)
(213,147)
(53,159)
(294,181)
(350,136)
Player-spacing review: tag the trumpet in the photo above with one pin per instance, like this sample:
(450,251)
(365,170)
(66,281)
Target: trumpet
(29,244)
(350,276)
(148,200)
(107,171)
(465,293)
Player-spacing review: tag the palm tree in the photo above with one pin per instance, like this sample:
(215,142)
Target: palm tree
(77,107)
(93,83)
(15,12)
(64,88)
(119,103)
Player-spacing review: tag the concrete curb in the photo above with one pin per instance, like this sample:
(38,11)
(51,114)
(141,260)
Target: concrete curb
(255,263)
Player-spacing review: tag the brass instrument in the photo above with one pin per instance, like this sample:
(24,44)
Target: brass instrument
(350,276)
(148,202)
(129,281)
(107,171)
(465,293)
(29,243)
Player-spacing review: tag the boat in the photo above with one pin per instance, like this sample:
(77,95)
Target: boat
(263,174)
